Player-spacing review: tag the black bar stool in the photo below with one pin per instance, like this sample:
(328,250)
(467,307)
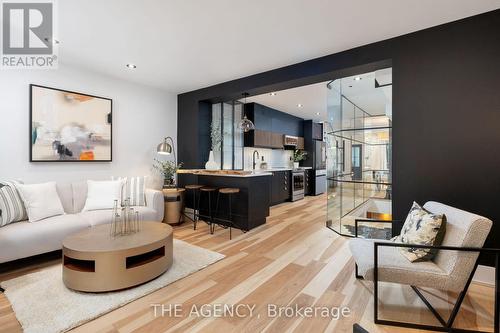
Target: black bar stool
(229,191)
(195,190)
(208,190)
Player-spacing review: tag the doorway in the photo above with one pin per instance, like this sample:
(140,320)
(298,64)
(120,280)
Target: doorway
(356,163)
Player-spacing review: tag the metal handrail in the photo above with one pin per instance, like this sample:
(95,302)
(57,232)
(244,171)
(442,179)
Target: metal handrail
(358,181)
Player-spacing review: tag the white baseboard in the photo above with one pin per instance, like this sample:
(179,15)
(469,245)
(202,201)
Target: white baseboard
(485,275)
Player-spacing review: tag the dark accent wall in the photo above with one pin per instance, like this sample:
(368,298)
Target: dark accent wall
(446,111)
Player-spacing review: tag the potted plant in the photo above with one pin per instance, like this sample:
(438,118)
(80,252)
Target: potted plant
(298,155)
(168,170)
(216,138)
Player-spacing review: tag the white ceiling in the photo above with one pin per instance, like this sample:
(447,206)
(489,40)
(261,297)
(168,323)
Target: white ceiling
(313,99)
(316,98)
(363,93)
(182,45)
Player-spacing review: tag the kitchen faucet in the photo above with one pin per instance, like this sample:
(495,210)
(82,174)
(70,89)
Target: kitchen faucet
(253,157)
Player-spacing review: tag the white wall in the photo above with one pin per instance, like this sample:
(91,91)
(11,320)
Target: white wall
(142,117)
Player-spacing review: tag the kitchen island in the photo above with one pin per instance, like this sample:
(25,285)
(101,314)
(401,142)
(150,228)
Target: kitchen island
(250,207)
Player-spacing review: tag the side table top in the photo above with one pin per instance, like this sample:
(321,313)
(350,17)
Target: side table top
(172,191)
(98,239)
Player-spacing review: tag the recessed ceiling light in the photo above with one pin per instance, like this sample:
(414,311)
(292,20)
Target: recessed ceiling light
(273,94)
(357,78)
(131,66)
(299,105)
(318,113)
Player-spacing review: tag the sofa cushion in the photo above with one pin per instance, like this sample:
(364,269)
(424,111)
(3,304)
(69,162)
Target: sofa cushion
(65,192)
(147,213)
(103,216)
(79,196)
(463,229)
(24,239)
(394,267)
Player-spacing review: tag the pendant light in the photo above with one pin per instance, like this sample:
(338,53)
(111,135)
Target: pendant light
(245,124)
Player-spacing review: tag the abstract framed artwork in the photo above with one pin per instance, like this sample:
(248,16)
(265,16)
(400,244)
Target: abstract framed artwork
(67,126)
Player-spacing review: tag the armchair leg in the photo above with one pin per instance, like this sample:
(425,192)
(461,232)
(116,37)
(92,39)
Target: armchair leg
(447,326)
(429,306)
(356,328)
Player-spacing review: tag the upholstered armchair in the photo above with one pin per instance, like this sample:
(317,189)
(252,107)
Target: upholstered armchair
(452,268)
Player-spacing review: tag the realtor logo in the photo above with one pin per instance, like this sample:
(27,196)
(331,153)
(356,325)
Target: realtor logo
(28,34)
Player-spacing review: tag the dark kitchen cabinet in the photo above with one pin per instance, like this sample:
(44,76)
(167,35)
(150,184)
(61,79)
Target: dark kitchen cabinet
(260,115)
(276,140)
(272,121)
(261,138)
(280,187)
(313,132)
(300,143)
(285,123)
(317,131)
(308,179)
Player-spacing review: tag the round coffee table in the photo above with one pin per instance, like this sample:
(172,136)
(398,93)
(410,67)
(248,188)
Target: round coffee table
(95,261)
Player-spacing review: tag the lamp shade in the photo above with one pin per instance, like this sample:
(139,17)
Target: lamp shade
(246,124)
(164,148)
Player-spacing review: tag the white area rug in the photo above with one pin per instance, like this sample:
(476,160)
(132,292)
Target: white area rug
(43,304)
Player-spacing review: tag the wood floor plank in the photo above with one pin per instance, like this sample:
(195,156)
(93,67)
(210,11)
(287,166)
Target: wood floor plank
(281,297)
(291,260)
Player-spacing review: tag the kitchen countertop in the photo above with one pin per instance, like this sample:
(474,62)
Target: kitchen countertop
(237,173)
(226,173)
(282,169)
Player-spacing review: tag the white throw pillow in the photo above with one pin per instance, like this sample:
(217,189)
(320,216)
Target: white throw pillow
(102,194)
(133,189)
(41,200)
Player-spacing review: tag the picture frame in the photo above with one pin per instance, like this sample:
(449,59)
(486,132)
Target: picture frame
(69,126)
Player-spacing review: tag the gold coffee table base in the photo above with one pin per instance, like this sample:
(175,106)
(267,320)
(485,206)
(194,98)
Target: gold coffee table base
(94,261)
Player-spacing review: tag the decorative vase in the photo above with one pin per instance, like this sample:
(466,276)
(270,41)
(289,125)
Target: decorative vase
(296,165)
(211,164)
(125,220)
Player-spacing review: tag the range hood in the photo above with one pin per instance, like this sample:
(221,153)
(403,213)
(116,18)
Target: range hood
(290,141)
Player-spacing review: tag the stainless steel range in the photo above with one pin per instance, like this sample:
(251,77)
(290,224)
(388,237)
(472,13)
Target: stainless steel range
(298,184)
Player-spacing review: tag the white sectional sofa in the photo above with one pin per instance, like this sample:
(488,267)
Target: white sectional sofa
(24,239)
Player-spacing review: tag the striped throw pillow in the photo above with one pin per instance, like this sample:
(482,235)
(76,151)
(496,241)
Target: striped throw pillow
(134,190)
(11,205)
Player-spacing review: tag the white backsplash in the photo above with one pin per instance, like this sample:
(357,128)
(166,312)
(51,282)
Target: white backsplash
(275,158)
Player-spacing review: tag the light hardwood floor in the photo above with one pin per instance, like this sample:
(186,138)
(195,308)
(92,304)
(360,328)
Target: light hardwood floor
(292,260)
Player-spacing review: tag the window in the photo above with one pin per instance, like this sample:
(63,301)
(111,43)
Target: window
(227,138)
